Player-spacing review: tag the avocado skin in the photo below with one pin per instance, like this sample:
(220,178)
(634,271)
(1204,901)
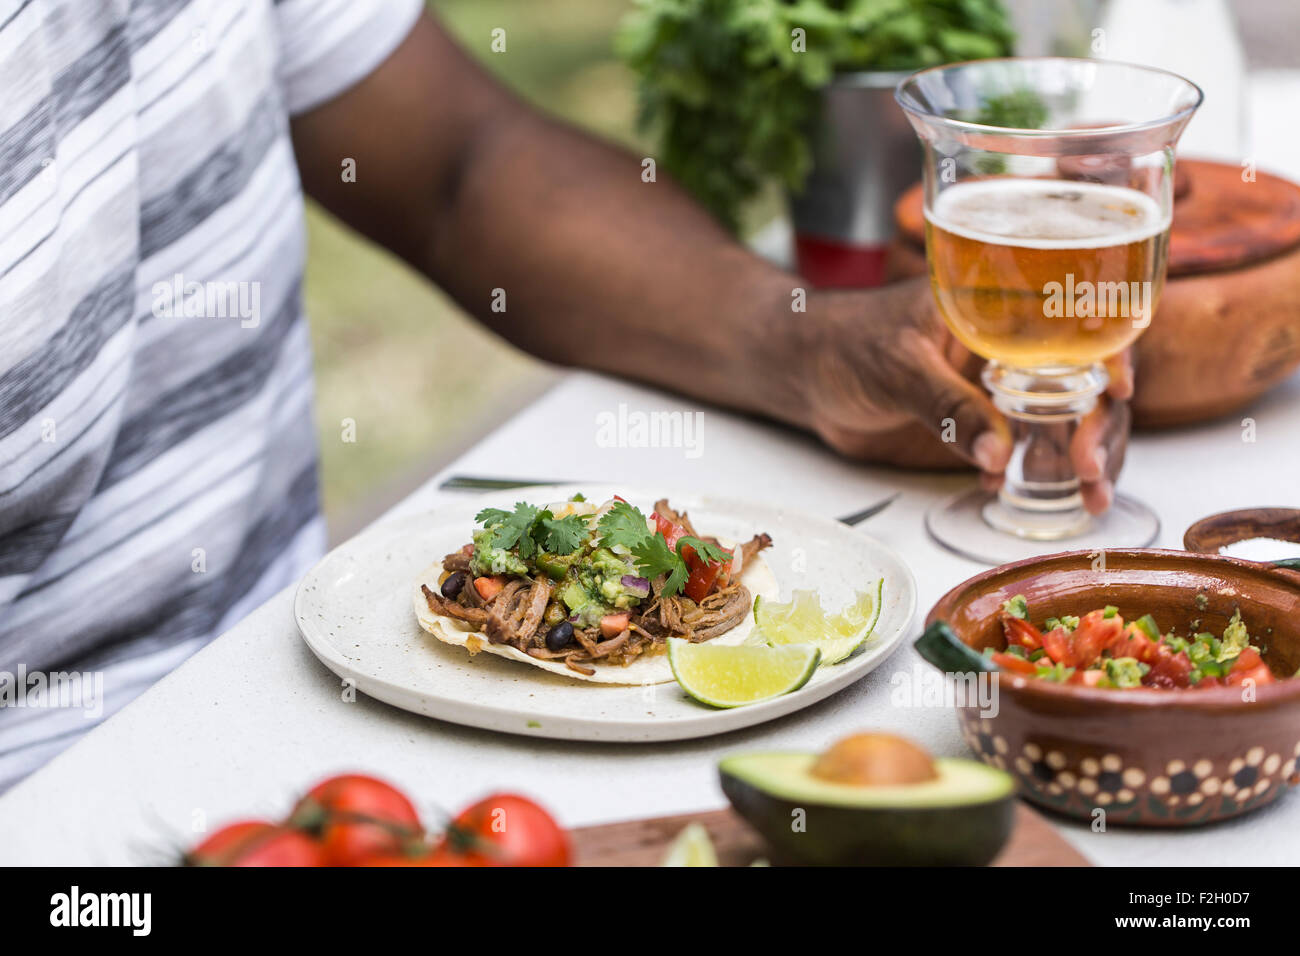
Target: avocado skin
(967,835)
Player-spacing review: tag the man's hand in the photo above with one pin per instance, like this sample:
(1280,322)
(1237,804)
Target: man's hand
(887,382)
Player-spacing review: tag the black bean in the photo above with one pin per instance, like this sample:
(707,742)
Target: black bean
(452,586)
(559,637)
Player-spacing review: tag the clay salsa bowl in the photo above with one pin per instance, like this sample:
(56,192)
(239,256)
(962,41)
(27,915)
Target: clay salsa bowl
(1144,756)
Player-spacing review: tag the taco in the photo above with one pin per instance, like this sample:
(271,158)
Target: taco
(592,592)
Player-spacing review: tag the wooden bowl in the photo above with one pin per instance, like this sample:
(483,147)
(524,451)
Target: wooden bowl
(1210,534)
(1146,756)
(1227,328)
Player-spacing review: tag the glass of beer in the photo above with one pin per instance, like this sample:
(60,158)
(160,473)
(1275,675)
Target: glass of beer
(1048,198)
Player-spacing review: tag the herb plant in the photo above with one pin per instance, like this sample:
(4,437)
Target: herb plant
(730,86)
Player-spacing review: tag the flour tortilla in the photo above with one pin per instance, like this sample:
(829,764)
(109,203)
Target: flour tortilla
(756,575)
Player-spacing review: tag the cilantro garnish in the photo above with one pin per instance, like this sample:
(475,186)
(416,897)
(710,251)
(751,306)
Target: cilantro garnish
(709,553)
(531,529)
(512,529)
(625,525)
(490,516)
(562,535)
(654,557)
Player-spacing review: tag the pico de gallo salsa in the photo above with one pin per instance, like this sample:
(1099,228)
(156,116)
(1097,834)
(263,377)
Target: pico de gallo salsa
(1101,649)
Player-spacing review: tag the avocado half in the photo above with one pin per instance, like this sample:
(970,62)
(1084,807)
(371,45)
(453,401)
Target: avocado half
(962,817)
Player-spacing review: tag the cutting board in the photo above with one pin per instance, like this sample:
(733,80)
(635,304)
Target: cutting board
(1034,842)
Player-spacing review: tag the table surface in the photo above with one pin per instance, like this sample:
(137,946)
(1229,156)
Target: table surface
(253,718)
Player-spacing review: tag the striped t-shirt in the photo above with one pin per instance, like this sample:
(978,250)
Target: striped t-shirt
(157,452)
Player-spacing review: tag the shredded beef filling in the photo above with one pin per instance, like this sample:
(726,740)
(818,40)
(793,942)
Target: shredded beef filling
(515,615)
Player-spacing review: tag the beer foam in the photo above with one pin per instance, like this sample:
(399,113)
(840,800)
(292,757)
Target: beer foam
(1047,213)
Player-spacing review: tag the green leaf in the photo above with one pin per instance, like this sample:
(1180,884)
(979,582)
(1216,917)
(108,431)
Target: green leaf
(654,557)
(490,516)
(676,579)
(562,535)
(514,529)
(623,524)
(709,553)
(731,103)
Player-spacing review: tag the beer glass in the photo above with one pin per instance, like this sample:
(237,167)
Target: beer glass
(1048,196)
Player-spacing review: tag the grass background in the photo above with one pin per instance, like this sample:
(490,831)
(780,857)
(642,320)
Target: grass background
(392,352)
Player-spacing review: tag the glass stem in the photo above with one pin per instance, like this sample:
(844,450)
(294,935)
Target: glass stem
(1040,498)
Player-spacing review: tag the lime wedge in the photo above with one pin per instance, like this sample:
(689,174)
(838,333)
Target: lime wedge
(803,621)
(729,676)
(691,848)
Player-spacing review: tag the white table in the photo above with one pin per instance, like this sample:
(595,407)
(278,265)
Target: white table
(254,718)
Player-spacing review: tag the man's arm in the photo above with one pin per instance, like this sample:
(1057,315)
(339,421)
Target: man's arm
(603,270)
(598,268)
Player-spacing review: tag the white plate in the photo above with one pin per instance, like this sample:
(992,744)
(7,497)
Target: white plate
(354,612)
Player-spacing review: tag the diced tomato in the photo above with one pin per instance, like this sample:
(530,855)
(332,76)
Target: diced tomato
(1057,644)
(1248,658)
(1260,674)
(1087,678)
(1094,634)
(1169,669)
(1019,631)
(704,575)
(1249,666)
(1132,641)
(669,529)
(612,625)
(1017,665)
(489,587)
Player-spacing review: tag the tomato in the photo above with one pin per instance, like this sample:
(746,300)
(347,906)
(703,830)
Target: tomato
(437,857)
(1057,644)
(256,843)
(1019,631)
(1086,678)
(612,625)
(507,830)
(1168,669)
(1132,641)
(1014,664)
(704,576)
(1095,633)
(671,531)
(356,816)
(489,587)
(1261,675)
(1249,666)
(1247,660)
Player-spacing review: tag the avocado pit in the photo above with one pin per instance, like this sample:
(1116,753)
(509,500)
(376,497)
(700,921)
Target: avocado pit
(874,760)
